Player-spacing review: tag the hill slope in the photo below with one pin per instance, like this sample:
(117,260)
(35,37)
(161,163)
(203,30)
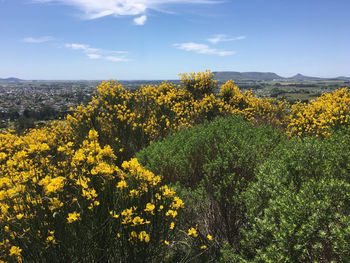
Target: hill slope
(10,80)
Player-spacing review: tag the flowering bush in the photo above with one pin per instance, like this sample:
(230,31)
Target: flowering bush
(73,190)
(130,120)
(329,111)
(257,110)
(198,84)
(59,200)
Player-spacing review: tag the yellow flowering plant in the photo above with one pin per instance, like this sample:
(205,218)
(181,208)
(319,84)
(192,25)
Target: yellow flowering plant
(140,220)
(328,112)
(62,189)
(61,200)
(254,109)
(199,84)
(73,191)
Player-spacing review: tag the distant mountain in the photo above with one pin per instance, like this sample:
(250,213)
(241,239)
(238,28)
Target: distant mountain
(228,75)
(266,76)
(10,80)
(302,77)
(343,78)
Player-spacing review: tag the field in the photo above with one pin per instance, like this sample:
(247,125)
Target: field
(292,91)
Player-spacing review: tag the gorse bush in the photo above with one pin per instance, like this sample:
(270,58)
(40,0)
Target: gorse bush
(64,202)
(256,110)
(129,120)
(213,163)
(299,208)
(199,84)
(73,191)
(328,112)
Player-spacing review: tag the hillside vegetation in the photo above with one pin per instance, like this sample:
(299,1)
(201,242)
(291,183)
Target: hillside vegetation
(172,173)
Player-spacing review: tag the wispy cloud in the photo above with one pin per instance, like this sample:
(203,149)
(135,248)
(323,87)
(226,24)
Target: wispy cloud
(140,21)
(115,59)
(98,53)
(37,40)
(93,9)
(93,56)
(224,38)
(203,49)
(83,47)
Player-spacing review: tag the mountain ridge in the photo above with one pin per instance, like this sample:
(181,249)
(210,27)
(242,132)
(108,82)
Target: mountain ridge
(11,79)
(266,76)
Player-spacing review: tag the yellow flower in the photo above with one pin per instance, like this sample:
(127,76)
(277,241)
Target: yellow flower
(166,243)
(122,184)
(149,208)
(209,237)
(143,236)
(178,203)
(114,214)
(19,216)
(204,247)
(168,192)
(73,217)
(171,213)
(192,232)
(172,225)
(137,221)
(15,251)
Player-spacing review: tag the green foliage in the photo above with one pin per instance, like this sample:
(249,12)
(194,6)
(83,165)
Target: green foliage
(299,208)
(214,163)
(68,191)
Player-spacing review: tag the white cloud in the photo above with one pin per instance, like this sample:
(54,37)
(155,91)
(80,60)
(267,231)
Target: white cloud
(94,56)
(93,9)
(223,38)
(98,53)
(203,49)
(115,59)
(37,40)
(83,47)
(140,21)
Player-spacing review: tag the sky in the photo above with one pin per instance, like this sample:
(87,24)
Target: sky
(158,39)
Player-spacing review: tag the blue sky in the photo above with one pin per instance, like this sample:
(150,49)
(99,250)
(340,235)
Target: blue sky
(157,39)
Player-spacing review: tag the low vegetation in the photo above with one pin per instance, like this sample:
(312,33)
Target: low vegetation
(225,176)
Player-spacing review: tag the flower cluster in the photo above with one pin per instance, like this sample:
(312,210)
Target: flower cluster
(55,194)
(142,218)
(329,111)
(254,109)
(129,120)
(199,84)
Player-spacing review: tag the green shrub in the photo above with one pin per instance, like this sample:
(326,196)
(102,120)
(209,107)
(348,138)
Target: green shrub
(213,163)
(299,208)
